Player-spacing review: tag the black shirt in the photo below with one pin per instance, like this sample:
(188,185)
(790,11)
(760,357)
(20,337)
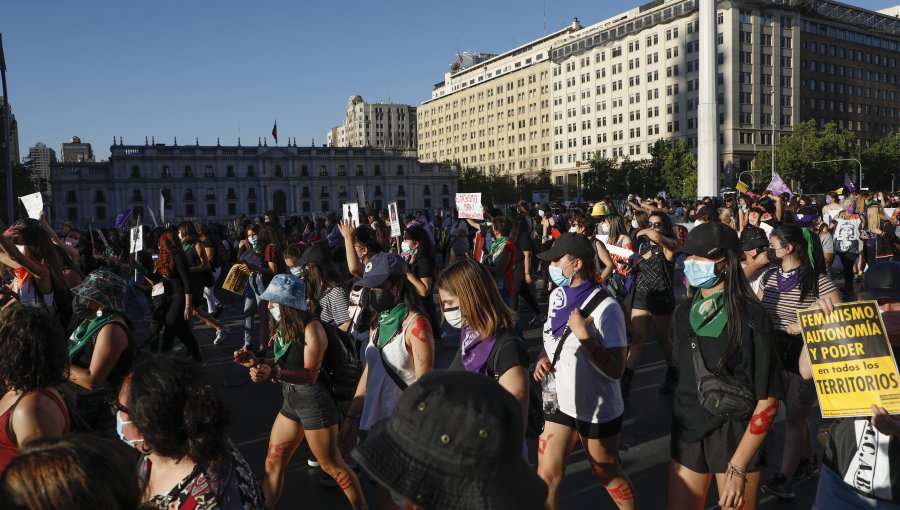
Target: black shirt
(523,243)
(754,361)
(180,279)
(509,351)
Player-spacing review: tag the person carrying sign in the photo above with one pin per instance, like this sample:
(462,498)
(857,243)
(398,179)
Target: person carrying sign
(861,464)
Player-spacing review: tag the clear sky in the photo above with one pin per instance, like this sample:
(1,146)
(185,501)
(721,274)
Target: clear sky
(207,69)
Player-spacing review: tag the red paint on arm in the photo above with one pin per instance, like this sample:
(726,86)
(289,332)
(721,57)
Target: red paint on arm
(421,330)
(761,421)
(343,480)
(543,442)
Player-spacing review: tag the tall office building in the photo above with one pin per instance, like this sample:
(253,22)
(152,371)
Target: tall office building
(380,125)
(40,157)
(13,135)
(75,151)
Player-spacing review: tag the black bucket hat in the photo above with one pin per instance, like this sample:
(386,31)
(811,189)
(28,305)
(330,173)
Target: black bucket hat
(753,238)
(454,442)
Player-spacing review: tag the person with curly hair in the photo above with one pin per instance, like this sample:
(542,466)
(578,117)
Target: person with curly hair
(179,423)
(34,361)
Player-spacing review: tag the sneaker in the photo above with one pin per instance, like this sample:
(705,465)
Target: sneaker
(779,486)
(220,336)
(668,387)
(327,481)
(806,470)
(312,462)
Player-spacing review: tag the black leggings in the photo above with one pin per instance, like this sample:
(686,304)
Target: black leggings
(176,325)
(521,288)
(848,260)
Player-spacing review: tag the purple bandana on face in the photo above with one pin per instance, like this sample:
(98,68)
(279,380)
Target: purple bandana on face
(572,297)
(788,281)
(476,350)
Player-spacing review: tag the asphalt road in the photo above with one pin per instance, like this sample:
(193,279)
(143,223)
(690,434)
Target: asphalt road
(645,434)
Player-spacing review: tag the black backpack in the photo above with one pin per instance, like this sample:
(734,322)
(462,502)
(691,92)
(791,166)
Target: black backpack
(341,366)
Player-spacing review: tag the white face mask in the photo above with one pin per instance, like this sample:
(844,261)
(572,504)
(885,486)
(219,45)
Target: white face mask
(573,229)
(540,213)
(275,311)
(634,224)
(454,318)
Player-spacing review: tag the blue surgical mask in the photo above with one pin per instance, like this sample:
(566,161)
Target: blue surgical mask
(406,246)
(253,240)
(299,272)
(556,274)
(276,313)
(540,213)
(701,274)
(121,431)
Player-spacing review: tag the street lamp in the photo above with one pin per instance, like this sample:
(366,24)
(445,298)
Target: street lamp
(858,162)
(751,177)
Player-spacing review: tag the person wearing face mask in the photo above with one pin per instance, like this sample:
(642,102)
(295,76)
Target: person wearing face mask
(34,362)
(419,249)
(861,463)
(731,332)
(250,262)
(754,246)
(200,275)
(618,232)
(585,335)
(309,410)
(400,352)
(499,260)
(327,296)
(30,255)
(490,344)
(179,424)
(172,265)
(795,282)
(846,227)
(101,350)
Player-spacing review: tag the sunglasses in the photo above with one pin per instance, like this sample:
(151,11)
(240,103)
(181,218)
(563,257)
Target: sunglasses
(656,224)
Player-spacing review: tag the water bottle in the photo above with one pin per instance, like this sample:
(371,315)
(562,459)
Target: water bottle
(548,394)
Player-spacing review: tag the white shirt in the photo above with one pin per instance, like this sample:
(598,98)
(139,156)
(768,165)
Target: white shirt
(583,391)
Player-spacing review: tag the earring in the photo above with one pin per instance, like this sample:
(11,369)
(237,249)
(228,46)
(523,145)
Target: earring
(145,449)
(99,313)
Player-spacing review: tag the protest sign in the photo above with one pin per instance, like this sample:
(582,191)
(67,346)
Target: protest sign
(351,212)
(851,360)
(137,239)
(469,205)
(361,194)
(395,219)
(767,228)
(236,281)
(478,249)
(34,204)
(620,256)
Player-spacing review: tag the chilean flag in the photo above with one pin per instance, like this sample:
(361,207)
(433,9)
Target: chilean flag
(275,131)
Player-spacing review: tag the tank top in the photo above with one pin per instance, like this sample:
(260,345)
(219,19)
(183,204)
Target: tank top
(29,294)
(122,367)
(656,273)
(381,391)
(9,448)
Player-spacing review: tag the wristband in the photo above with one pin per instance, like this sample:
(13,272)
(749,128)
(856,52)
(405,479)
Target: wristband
(276,374)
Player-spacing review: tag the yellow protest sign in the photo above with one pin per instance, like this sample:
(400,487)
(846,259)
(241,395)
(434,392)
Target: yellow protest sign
(236,281)
(740,186)
(851,359)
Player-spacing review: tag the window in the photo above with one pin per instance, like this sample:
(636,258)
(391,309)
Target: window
(229,171)
(210,210)
(304,171)
(135,172)
(278,171)
(166,173)
(188,173)
(377,170)
(400,171)
(323,171)
(359,171)
(208,172)
(250,171)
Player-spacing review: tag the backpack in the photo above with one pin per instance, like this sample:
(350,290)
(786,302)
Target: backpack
(341,366)
(535,417)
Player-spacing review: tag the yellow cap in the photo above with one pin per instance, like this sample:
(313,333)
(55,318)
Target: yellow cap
(599,210)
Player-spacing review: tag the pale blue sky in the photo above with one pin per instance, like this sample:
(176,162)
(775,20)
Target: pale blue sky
(191,69)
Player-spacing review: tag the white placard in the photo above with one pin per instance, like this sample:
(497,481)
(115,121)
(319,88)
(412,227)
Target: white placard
(767,228)
(889,212)
(394,218)
(137,239)
(469,206)
(361,194)
(34,204)
(351,212)
(619,255)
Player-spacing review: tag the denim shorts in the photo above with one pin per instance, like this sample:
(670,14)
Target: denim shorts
(833,493)
(309,404)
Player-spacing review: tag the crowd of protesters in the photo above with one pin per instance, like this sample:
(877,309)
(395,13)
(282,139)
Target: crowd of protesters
(347,319)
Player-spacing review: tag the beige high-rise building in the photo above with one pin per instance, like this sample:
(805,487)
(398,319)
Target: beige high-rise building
(493,112)
(76,151)
(380,125)
(39,159)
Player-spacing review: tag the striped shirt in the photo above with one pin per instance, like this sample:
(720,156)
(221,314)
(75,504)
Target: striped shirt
(334,306)
(783,306)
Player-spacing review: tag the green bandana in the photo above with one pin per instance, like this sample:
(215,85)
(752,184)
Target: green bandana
(187,246)
(281,345)
(708,315)
(498,242)
(87,330)
(388,324)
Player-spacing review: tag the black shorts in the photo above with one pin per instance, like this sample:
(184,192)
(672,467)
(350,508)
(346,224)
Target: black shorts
(713,453)
(309,404)
(587,429)
(657,302)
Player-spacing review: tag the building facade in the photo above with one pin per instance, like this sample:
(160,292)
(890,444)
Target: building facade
(218,183)
(40,157)
(381,125)
(76,151)
(13,135)
(493,112)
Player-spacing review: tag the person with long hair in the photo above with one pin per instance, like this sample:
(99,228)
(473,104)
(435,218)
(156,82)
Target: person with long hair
(797,280)
(401,349)
(173,266)
(201,275)
(618,231)
(490,344)
(421,271)
(584,347)
(846,226)
(523,265)
(179,423)
(309,410)
(499,259)
(653,299)
(34,362)
(326,294)
(101,349)
(212,246)
(27,250)
(879,235)
(732,332)
(584,225)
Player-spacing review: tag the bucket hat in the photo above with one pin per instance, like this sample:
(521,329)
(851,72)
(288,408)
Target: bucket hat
(454,442)
(104,287)
(287,290)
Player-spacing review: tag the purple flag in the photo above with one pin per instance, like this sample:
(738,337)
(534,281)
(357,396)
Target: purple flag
(122,218)
(849,185)
(777,186)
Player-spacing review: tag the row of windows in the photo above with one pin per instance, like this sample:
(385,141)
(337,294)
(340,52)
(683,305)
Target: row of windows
(210,171)
(850,72)
(857,108)
(850,90)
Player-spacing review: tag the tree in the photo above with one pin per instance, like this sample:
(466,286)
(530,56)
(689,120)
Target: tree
(495,187)
(599,180)
(881,162)
(542,181)
(22,185)
(678,171)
